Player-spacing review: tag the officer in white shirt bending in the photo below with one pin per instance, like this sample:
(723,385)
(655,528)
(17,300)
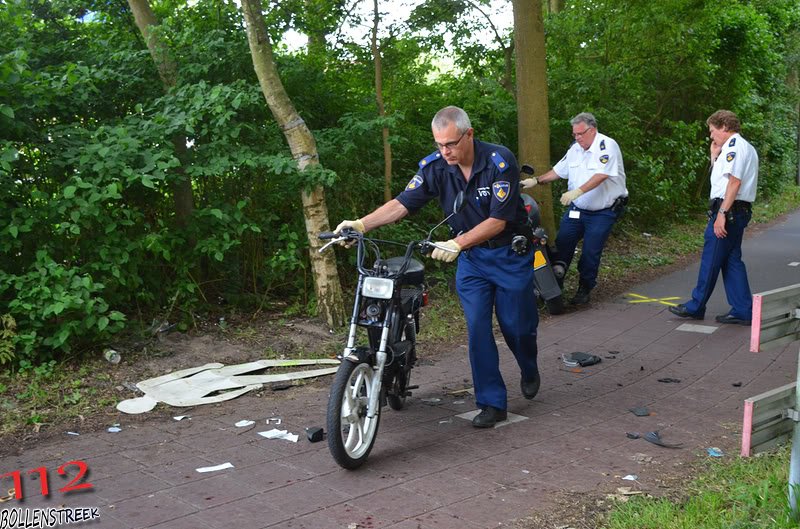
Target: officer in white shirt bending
(734,179)
(596,198)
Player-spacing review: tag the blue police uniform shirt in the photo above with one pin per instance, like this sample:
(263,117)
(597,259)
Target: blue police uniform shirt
(492,191)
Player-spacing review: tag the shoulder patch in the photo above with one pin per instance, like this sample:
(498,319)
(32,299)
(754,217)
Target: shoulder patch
(732,142)
(414,183)
(731,155)
(499,162)
(603,146)
(432,157)
(500,190)
(604,159)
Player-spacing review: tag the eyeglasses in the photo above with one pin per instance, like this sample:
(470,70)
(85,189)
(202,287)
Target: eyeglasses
(580,134)
(450,144)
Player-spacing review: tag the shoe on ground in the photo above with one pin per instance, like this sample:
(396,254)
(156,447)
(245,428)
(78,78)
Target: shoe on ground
(727,318)
(581,296)
(530,387)
(680,310)
(488,417)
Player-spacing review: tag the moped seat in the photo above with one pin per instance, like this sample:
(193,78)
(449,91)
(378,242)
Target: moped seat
(414,275)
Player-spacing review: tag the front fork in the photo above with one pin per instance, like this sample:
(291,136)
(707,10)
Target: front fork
(380,356)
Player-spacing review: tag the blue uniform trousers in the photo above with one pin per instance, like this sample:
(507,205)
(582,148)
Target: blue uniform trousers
(726,255)
(497,279)
(593,227)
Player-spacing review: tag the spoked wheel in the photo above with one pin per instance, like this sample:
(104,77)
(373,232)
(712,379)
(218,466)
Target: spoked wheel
(396,398)
(351,433)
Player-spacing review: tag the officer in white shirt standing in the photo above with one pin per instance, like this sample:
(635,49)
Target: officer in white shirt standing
(596,198)
(734,179)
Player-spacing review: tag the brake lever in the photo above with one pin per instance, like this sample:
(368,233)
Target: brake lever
(450,250)
(332,241)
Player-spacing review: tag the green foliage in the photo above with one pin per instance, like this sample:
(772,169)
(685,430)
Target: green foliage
(7,338)
(742,493)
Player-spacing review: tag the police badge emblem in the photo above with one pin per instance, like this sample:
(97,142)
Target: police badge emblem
(414,182)
(604,158)
(730,156)
(501,190)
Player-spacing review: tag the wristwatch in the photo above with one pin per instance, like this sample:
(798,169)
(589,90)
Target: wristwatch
(723,211)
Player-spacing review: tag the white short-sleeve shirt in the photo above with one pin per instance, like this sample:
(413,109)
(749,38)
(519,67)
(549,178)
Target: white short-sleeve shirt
(578,166)
(738,159)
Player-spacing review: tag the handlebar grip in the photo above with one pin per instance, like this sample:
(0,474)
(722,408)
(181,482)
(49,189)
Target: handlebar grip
(426,248)
(325,235)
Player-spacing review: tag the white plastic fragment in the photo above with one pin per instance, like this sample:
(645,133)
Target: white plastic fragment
(279,434)
(274,420)
(137,405)
(223,466)
(73,433)
(115,429)
(243,423)
(181,417)
(631,477)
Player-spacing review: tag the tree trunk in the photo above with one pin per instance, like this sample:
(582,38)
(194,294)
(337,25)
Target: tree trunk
(555,6)
(532,109)
(794,86)
(181,186)
(387,148)
(330,302)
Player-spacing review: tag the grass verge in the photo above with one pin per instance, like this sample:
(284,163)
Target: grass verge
(734,494)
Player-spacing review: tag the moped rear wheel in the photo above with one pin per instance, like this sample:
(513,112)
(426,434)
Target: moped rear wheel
(351,434)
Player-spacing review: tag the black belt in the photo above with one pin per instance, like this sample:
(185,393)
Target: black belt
(498,242)
(738,205)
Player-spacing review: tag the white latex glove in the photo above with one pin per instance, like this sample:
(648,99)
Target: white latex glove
(569,196)
(354,224)
(529,183)
(447,255)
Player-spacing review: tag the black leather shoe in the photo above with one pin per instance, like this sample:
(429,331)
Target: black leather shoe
(488,417)
(727,318)
(581,296)
(680,310)
(531,387)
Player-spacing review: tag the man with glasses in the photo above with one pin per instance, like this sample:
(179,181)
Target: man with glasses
(734,181)
(490,275)
(595,198)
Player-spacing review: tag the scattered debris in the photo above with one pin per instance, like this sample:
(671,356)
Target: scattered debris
(315,434)
(182,417)
(214,382)
(274,420)
(623,494)
(223,466)
(280,434)
(578,358)
(244,422)
(446,421)
(668,380)
(642,458)
(73,433)
(432,400)
(526,471)
(640,411)
(653,437)
(457,402)
(631,477)
(115,429)
(112,356)
(737,384)
(715,452)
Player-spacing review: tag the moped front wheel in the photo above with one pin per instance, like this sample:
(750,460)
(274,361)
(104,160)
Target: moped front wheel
(351,434)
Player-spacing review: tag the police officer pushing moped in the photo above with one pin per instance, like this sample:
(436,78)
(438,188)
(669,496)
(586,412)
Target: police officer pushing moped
(596,198)
(491,276)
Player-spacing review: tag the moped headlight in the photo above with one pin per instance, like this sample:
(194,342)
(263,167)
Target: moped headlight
(377,288)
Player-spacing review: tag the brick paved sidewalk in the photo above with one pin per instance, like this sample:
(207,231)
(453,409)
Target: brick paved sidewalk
(430,468)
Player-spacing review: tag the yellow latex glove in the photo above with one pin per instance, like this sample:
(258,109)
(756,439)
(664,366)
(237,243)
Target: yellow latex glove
(354,224)
(447,255)
(529,183)
(569,196)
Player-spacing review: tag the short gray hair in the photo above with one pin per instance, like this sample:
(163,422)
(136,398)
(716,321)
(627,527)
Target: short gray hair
(584,117)
(449,115)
